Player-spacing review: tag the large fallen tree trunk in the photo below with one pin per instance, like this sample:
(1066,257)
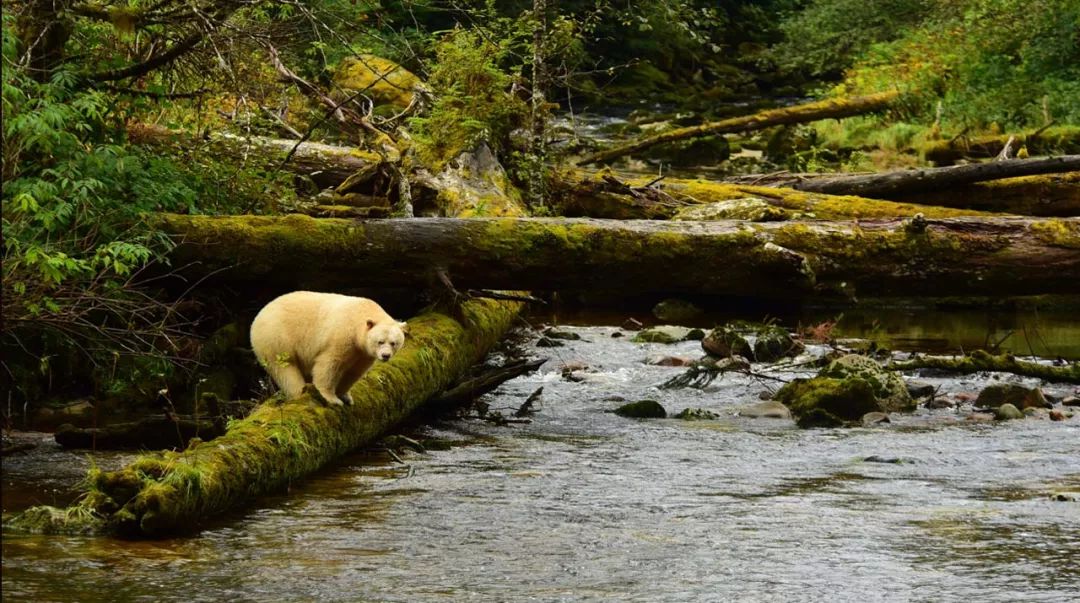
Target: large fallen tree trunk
(603,196)
(826,109)
(889,185)
(327,165)
(959,256)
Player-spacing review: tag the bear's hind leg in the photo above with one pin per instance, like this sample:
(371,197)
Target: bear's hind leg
(289,379)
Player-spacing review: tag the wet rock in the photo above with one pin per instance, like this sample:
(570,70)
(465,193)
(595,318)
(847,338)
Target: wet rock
(725,341)
(642,409)
(1071,401)
(766,410)
(1007,412)
(697,414)
(676,311)
(732,363)
(980,417)
(1065,496)
(669,361)
(997,394)
(1036,413)
(564,335)
(774,343)
(662,334)
(919,389)
(617,334)
(695,335)
(547,342)
(1057,415)
(888,387)
(891,460)
(632,324)
(939,402)
(962,397)
(873,418)
(765,395)
(827,401)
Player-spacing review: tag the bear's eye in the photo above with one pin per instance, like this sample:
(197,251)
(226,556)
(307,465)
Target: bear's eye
(382,342)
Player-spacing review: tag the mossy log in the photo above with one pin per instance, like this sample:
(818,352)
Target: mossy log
(826,109)
(1051,195)
(888,185)
(580,195)
(280,442)
(982,361)
(326,165)
(957,256)
(1053,140)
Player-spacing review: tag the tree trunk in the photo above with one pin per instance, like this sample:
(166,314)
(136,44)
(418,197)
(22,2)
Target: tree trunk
(787,260)
(1054,140)
(327,165)
(826,109)
(890,185)
(602,196)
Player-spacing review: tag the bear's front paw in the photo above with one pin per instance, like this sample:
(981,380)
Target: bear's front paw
(347,399)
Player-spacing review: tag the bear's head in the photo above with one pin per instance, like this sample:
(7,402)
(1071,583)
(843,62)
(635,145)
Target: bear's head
(384,338)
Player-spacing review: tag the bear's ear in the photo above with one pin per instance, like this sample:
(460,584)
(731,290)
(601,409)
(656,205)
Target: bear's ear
(404,327)
(370,323)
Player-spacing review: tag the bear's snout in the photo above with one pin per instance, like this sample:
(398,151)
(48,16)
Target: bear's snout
(385,355)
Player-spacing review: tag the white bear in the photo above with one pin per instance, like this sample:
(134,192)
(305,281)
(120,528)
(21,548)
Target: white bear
(326,339)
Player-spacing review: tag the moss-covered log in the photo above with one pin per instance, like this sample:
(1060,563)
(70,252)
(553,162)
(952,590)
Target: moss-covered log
(580,195)
(958,256)
(826,109)
(327,165)
(1051,195)
(982,361)
(1054,140)
(280,442)
(888,185)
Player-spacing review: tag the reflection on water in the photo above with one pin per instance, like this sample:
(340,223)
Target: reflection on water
(582,505)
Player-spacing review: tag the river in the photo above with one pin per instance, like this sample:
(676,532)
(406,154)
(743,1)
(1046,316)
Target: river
(582,505)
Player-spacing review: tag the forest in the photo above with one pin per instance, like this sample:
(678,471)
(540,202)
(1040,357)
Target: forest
(858,219)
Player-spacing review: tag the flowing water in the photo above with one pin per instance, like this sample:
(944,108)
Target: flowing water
(583,505)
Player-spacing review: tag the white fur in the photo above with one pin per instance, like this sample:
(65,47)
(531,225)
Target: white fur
(326,339)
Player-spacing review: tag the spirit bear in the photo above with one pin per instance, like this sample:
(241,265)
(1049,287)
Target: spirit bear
(327,339)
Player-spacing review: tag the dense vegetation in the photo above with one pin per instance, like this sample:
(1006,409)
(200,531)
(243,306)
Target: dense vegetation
(88,308)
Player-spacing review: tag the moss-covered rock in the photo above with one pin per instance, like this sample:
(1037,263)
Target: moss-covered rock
(998,394)
(696,414)
(642,409)
(1007,412)
(384,81)
(725,341)
(663,334)
(889,388)
(773,343)
(827,401)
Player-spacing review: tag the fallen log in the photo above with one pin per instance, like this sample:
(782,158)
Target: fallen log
(326,165)
(958,256)
(151,433)
(280,442)
(889,185)
(1053,140)
(595,197)
(826,109)
(979,361)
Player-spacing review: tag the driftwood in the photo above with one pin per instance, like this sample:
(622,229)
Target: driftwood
(473,388)
(959,256)
(826,109)
(982,361)
(889,185)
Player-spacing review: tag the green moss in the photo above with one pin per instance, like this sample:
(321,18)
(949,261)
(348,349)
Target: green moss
(1058,233)
(827,402)
(888,388)
(380,79)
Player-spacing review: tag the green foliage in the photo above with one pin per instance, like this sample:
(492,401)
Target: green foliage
(1011,62)
(474,101)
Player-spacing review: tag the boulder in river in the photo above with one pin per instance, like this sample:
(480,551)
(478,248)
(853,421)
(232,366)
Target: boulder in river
(724,341)
(664,334)
(696,414)
(770,409)
(993,396)
(676,311)
(1007,412)
(827,401)
(642,409)
(889,389)
(773,343)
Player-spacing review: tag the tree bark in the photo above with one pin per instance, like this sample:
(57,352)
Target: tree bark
(946,257)
(826,109)
(890,185)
